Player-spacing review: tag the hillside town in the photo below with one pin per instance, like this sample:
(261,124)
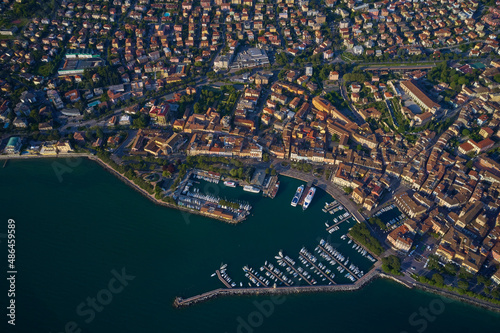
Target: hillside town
(391,102)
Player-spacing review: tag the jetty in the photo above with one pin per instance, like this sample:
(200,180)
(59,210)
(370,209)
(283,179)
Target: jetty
(374,273)
(296,271)
(276,275)
(219,275)
(255,277)
(338,261)
(336,224)
(319,269)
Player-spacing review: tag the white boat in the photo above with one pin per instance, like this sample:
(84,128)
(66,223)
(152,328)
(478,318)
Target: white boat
(249,188)
(230,183)
(309,198)
(297,196)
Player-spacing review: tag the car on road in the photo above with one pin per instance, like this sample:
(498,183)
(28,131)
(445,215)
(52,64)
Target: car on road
(413,268)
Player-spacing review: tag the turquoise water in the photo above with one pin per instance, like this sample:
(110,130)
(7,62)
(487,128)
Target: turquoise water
(73,230)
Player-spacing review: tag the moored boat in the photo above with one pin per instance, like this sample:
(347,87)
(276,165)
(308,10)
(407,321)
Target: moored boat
(252,189)
(230,183)
(309,198)
(297,196)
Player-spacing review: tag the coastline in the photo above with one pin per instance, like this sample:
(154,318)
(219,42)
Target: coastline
(180,302)
(120,176)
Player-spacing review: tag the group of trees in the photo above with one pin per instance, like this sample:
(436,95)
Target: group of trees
(107,75)
(362,235)
(443,73)
(391,264)
(208,98)
(337,100)
(302,166)
(378,222)
(127,171)
(225,166)
(355,77)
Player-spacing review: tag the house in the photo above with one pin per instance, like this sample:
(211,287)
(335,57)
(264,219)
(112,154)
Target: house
(13,145)
(334,76)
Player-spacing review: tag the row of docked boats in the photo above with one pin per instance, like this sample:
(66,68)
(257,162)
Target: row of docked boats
(383,210)
(255,277)
(359,248)
(330,207)
(395,220)
(298,195)
(317,267)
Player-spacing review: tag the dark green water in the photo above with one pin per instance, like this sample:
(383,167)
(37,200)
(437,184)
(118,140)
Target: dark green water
(71,234)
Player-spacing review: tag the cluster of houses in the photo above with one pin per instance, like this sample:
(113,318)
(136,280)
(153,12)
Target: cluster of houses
(389,28)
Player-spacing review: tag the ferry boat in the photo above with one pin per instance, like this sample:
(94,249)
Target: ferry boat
(230,183)
(309,198)
(249,188)
(297,196)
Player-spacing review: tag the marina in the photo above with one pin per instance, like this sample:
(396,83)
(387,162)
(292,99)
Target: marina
(333,254)
(311,259)
(327,266)
(290,263)
(277,274)
(334,227)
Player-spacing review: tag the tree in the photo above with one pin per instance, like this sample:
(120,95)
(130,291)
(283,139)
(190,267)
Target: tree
(463,285)
(391,264)
(166,174)
(348,190)
(99,133)
(265,157)
(497,78)
(465,132)
(434,263)
(197,107)
(481,279)
(438,278)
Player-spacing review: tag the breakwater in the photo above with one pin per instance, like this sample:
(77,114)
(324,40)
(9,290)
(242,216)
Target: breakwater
(183,302)
(365,280)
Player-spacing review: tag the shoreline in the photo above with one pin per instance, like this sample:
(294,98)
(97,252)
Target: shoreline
(120,176)
(180,302)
